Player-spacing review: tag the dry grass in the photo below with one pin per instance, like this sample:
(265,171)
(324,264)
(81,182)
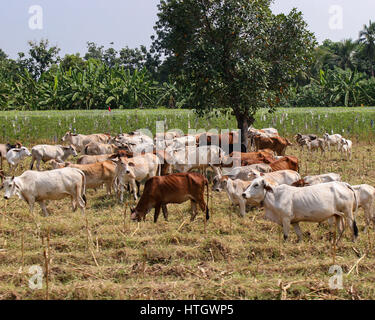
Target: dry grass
(235,259)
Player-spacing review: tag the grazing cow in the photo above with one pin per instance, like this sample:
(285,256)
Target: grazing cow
(279,177)
(79,141)
(345,146)
(234,189)
(321,178)
(96,148)
(96,174)
(45,152)
(16,155)
(135,170)
(332,140)
(366,195)
(174,188)
(285,163)
(34,186)
(191,158)
(287,205)
(316,144)
(277,144)
(4,148)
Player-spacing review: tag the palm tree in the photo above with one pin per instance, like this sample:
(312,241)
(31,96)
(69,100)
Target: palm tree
(346,50)
(367,37)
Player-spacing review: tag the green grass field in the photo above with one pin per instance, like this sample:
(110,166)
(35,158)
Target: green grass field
(52,125)
(236,258)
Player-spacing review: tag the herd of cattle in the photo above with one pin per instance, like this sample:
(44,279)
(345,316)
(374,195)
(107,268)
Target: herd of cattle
(259,174)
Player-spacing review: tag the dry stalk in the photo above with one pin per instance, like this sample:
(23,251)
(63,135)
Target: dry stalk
(355,265)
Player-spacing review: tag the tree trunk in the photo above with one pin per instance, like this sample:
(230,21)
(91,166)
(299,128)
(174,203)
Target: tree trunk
(243,123)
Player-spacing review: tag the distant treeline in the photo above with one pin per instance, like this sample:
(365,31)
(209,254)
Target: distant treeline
(342,74)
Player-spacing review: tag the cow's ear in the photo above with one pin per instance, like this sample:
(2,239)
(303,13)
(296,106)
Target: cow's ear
(262,174)
(131,164)
(267,186)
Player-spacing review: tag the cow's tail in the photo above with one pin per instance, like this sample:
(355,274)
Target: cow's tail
(355,228)
(83,190)
(208,197)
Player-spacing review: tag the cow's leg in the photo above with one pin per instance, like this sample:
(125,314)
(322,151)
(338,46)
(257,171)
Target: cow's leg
(108,188)
(194,210)
(138,188)
(286,227)
(135,191)
(74,203)
(165,211)
(242,204)
(38,164)
(157,212)
(32,163)
(297,230)
(44,208)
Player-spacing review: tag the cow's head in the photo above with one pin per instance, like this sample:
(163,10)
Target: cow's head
(136,215)
(58,165)
(24,152)
(66,136)
(219,183)
(10,187)
(125,165)
(257,190)
(71,150)
(254,174)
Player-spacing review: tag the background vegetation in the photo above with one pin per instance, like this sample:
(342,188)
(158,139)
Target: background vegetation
(339,74)
(50,126)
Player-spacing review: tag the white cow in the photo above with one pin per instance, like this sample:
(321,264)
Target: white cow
(316,144)
(134,170)
(345,146)
(366,195)
(79,141)
(45,152)
(321,178)
(33,186)
(332,140)
(279,177)
(287,205)
(16,155)
(234,190)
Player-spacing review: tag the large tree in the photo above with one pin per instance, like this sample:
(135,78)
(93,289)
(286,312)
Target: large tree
(233,53)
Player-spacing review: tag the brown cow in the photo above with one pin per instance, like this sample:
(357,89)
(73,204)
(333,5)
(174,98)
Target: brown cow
(285,163)
(226,141)
(277,144)
(174,188)
(237,159)
(96,174)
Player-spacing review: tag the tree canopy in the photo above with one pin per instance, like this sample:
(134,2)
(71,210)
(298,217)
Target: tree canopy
(233,53)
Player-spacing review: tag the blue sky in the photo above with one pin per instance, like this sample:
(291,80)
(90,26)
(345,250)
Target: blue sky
(71,23)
